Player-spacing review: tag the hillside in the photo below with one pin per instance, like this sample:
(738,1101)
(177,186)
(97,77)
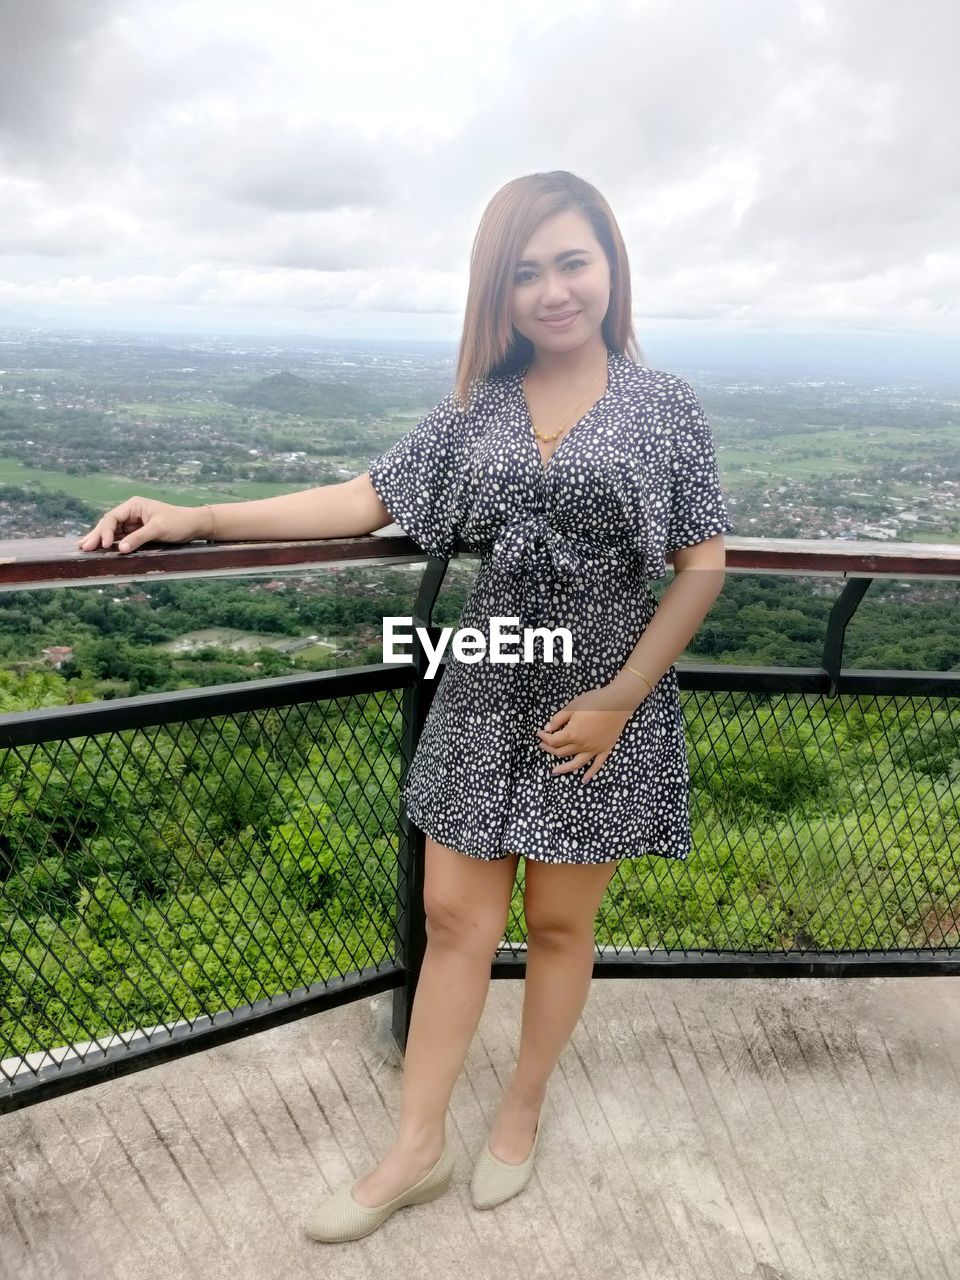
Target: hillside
(289,393)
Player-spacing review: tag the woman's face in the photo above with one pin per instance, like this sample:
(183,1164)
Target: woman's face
(562,269)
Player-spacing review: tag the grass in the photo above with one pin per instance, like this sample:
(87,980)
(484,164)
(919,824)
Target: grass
(105,491)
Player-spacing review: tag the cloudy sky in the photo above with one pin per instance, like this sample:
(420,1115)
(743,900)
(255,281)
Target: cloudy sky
(321,167)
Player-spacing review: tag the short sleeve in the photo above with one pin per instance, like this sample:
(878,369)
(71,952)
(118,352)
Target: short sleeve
(419,479)
(697,509)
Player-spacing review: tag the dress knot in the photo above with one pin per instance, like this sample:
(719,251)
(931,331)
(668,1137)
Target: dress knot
(527,540)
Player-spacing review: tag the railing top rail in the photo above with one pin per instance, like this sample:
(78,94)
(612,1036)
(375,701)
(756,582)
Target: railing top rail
(58,562)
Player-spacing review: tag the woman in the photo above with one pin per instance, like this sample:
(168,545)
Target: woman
(575,471)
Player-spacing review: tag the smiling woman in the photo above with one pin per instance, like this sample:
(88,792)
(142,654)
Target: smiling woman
(574,471)
(575,763)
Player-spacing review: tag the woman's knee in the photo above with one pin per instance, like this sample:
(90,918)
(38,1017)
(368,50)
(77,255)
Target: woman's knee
(561,901)
(466,900)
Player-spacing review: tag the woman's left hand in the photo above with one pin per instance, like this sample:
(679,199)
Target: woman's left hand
(587,729)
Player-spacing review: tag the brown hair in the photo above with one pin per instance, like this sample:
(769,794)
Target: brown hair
(490,346)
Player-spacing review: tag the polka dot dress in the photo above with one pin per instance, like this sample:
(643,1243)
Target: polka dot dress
(573,544)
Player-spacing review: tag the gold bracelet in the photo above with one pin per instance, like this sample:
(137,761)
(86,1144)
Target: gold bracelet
(641,675)
(213,523)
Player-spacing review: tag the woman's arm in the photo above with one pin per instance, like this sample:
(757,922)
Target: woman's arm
(345,510)
(699,575)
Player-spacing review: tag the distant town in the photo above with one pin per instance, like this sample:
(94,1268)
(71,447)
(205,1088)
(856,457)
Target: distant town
(96,419)
(88,420)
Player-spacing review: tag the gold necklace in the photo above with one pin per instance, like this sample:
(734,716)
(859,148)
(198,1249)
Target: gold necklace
(548,438)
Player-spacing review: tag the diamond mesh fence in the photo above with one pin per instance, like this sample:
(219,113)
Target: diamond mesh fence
(820,826)
(159,876)
(170,865)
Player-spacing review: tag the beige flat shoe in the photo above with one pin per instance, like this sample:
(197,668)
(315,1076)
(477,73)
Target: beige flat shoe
(495,1181)
(339,1217)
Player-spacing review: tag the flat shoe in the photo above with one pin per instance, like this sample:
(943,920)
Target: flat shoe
(340,1217)
(495,1181)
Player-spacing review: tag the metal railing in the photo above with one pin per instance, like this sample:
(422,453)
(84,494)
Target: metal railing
(183,868)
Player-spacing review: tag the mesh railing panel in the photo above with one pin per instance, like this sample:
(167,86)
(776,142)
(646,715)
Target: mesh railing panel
(820,825)
(159,876)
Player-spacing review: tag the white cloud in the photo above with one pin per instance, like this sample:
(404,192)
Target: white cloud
(768,164)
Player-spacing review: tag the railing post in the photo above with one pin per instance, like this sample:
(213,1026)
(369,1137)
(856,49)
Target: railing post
(411,933)
(844,607)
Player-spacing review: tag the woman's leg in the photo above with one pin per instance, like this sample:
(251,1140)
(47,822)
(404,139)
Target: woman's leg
(561,901)
(466,901)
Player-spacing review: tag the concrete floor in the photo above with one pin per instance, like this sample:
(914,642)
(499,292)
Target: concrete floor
(792,1129)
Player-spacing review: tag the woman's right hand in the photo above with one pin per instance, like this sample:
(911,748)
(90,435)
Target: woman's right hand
(140,520)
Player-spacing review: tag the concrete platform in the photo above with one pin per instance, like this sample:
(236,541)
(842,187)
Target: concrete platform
(789,1129)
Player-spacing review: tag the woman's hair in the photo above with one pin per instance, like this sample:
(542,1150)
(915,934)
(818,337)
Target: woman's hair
(490,346)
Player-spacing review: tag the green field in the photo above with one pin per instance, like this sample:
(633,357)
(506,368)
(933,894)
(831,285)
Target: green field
(199,409)
(106,491)
(773,464)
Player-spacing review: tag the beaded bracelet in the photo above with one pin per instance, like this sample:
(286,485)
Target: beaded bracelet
(213,523)
(641,675)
